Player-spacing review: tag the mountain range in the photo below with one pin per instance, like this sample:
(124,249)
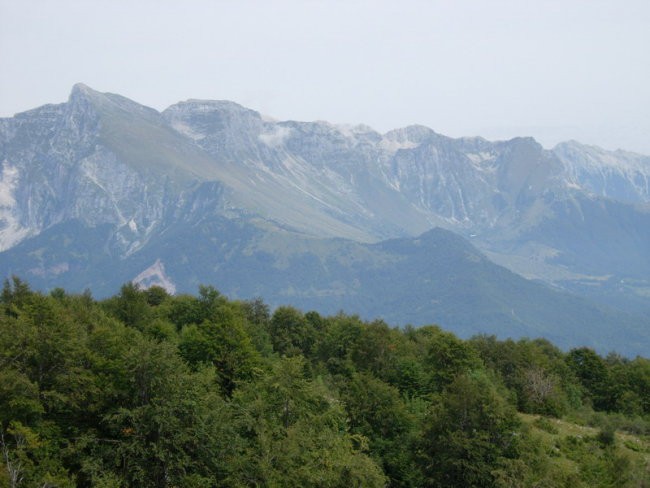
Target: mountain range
(410,226)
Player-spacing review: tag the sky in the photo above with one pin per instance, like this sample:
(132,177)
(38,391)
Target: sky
(554,70)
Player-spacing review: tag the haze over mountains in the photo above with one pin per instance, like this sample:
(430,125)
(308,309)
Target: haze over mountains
(101,190)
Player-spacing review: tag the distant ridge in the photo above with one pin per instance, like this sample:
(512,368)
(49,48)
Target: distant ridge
(97,190)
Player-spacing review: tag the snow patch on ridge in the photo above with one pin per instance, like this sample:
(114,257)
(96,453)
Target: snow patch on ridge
(393,145)
(351,131)
(275,137)
(186,130)
(480,157)
(155,275)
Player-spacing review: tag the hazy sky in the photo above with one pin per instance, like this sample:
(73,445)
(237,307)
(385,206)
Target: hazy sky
(552,69)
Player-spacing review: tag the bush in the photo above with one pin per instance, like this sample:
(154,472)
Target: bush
(542,423)
(607,435)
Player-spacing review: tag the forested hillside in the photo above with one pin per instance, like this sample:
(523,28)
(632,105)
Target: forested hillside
(145,389)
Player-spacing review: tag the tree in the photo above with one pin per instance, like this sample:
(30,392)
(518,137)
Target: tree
(472,431)
(447,357)
(296,434)
(222,342)
(185,310)
(535,371)
(258,318)
(376,411)
(170,425)
(290,332)
(156,295)
(29,459)
(15,293)
(130,306)
(593,374)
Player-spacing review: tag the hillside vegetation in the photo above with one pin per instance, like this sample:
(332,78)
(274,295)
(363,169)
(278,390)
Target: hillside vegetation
(145,389)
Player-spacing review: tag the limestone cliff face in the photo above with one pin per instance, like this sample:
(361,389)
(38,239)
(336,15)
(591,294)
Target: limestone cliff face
(618,175)
(67,162)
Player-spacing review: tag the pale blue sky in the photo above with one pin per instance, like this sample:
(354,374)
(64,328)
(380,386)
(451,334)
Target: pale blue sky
(552,69)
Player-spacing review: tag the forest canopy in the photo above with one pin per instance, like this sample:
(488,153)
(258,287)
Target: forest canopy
(145,389)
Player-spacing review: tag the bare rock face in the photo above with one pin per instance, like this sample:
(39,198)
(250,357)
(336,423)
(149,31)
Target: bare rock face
(618,175)
(99,159)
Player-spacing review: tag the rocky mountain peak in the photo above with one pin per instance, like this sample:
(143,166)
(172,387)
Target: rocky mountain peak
(194,105)
(108,105)
(82,90)
(83,98)
(199,119)
(415,134)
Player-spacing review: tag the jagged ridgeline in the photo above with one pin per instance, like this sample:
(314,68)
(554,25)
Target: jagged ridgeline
(100,190)
(146,389)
